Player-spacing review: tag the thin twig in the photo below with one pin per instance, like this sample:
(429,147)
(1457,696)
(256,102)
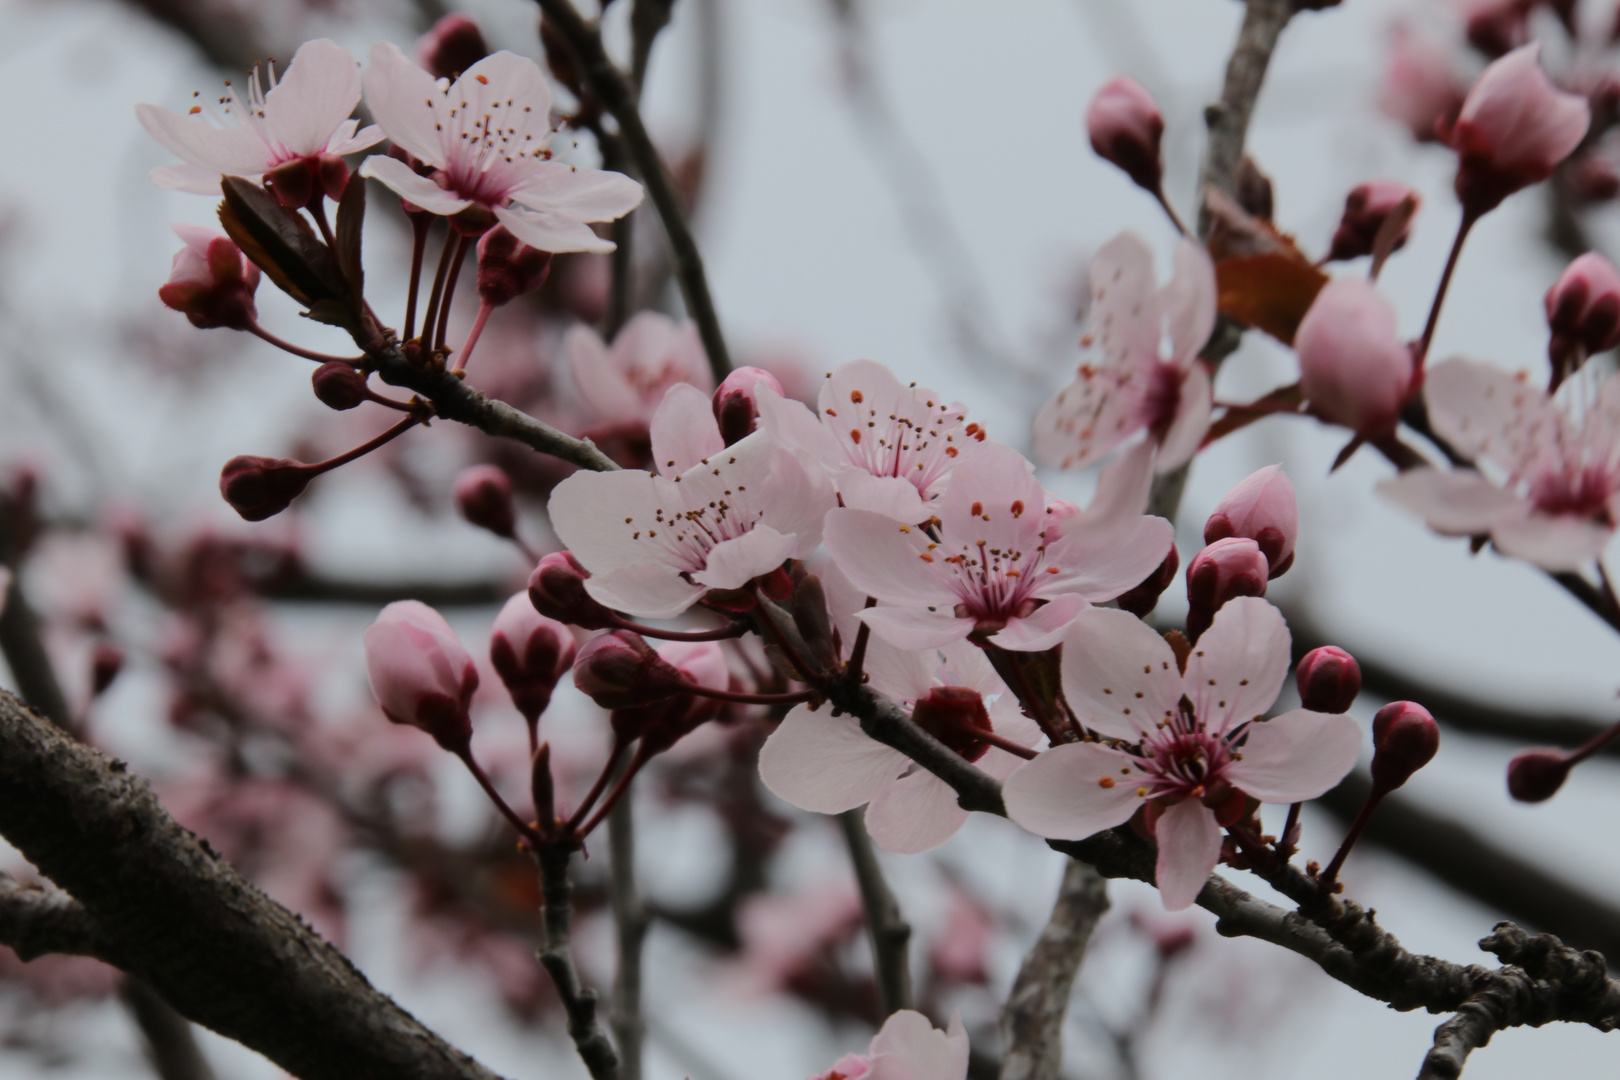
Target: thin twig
(630,921)
(579,1002)
(889,932)
(170,1045)
(1032,1019)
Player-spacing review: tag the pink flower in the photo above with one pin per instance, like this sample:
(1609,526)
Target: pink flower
(1136,388)
(1548,489)
(1125,127)
(1420,90)
(304,117)
(987,564)
(1262,508)
(624,383)
(825,763)
(1226,569)
(887,448)
(908,1047)
(1515,126)
(1366,209)
(1583,313)
(1353,368)
(530,653)
(1190,747)
(420,673)
(713,517)
(211,281)
(486,134)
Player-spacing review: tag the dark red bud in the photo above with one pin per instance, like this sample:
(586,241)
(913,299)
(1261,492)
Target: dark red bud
(1536,775)
(261,487)
(619,670)
(293,183)
(776,585)
(1405,738)
(530,653)
(483,495)
(735,405)
(557,591)
(453,45)
(508,268)
(1223,571)
(338,385)
(1141,600)
(1328,679)
(955,715)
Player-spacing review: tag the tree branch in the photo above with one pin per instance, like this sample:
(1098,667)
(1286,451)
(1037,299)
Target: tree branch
(171,911)
(630,920)
(619,98)
(555,956)
(170,1045)
(1032,1020)
(889,932)
(36,920)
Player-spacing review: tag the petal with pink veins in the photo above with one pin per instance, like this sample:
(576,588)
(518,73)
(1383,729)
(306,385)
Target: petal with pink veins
(397,93)
(1296,756)
(551,231)
(403,181)
(1113,662)
(826,763)
(1044,627)
(315,95)
(1238,666)
(885,559)
(684,431)
(1189,847)
(587,194)
(1100,563)
(914,814)
(1073,791)
(232,151)
(734,563)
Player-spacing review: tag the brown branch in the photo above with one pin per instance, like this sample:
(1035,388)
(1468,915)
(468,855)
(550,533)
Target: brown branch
(579,1001)
(172,912)
(1032,1020)
(617,95)
(36,920)
(887,929)
(170,1045)
(630,921)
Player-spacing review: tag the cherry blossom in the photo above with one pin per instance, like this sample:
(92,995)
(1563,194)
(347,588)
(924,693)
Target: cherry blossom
(713,517)
(1188,747)
(302,117)
(1135,387)
(486,134)
(887,448)
(1548,485)
(821,761)
(625,382)
(988,563)
(908,1047)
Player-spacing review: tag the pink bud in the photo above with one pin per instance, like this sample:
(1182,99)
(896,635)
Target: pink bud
(661,724)
(1353,368)
(530,653)
(1141,600)
(619,669)
(1536,775)
(508,268)
(1365,210)
(338,385)
(211,281)
(1224,570)
(483,496)
(736,406)
(1583,313)
(261,487)
(848,1067)
(1405,738)
(1328,679)
(955,715)
(557,591)
(1590,178)
(1515,126)
(1420,89)
(1262,508)
(453,45)
(1497,27)
(420,674)
(1126,127)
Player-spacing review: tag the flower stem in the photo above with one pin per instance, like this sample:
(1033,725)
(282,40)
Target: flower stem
(1463,229)
(595,793)
(857,655)
(451,242)
(1001,742)
(460,257)
(1175,218)
(366,447)
(473,335)
(616,794)
(524,829)
(1331,874)
(420,224)
(286,346)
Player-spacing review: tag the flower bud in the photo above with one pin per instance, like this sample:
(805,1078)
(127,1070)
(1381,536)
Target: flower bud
(530,653)
(420,674)
(1405,738)
(1223,571)
(1125,127)
(106,662)
(1353,368)
(1514,128)
(453,45)
(557,591)
(211,282)
(1590,179)
(736,408)
(1262,508)
(848,1067)
(1499,27)
(661,724)
(1366,209)
(619,670)
(339,385)
(956,716)
(1583,313)
(1420,90)
(1536,775)
(293,183)
(333,173)
(483,496)
(1141,600)
(1328,679)
(261,487)
(508,268)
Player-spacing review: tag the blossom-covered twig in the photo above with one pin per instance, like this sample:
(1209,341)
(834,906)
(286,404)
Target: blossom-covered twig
(173,912)
(579,1001)
(1032,1019)
(614,89)
(888,930)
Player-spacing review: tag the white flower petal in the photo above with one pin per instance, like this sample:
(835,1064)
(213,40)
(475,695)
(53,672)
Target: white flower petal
(1238,666)
(1119,677)
(1456,502)
(684,431)
(232,151)
(1552,543)
(915,814)
(402,180)
(315,95)
(552,232)
(915,628)
(1189,847)
(1191,422)
(1296,756)
(1073,791)
(734,563)
(582,194)
(398,93)
(825,763)
(1484,411)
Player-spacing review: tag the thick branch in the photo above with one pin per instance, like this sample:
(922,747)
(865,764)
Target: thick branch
(37,919)
(618,96)
(888,930)
(1228,119)
(171,911)
(1032,1020)
(579,1002)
